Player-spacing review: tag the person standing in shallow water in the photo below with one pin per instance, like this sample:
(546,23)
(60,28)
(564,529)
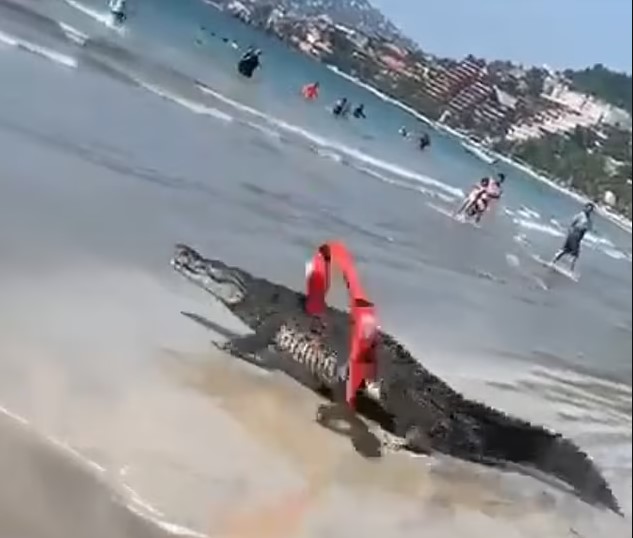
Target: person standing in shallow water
(424,141)
(582,223)
(359,112)
(310,92)
(341,107)
(118,9)
(249,62)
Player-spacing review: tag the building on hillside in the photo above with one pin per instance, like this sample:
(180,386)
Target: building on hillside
(497,112)
(314,42)
(471,96)
(355,37)
(239,10)
(275,17)
(482,107)
(592,110)
(392,63)
(447,83)
(555,119)
(396,51)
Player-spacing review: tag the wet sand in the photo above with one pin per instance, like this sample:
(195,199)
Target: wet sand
(49,494)
(185,434)
(95,354)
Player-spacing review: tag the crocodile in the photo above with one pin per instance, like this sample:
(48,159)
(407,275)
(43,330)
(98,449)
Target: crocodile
(407,401)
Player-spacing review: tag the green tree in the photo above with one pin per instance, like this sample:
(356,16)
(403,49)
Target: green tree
(535,80)
(612,87)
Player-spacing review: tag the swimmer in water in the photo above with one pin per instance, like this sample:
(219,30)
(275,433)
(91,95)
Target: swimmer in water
(359,112)
(118,9)
(249,62)
(311,91)
(582,223)
(425,141)
(495,190)
(476,203)
(341,106)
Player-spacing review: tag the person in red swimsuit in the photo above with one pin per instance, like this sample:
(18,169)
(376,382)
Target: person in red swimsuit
(311,91)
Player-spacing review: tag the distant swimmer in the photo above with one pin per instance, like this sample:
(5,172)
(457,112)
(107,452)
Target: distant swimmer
(425,141)
(118,9)
(200,38)
(249,62)
(403,132)
(476,203)
(582,223)
(495,189)
(341,107)
(359,112)
(311,91)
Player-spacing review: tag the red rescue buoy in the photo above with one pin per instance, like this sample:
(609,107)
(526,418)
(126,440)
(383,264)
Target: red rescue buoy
(361,360)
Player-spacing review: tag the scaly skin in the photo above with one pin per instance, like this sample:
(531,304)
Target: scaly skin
(410,401)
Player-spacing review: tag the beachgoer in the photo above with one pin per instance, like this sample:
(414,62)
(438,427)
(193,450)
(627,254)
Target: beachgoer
(118,10)
(249,62)
(359,112)
(403,132)
(311,91)
(476,203)
(425,141)
(582,223)
(340,107)
(495,188)
(495,191)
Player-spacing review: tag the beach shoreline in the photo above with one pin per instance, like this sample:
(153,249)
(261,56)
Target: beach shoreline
(100,351)
(617,219)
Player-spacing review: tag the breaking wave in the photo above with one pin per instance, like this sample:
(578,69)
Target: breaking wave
(38,50)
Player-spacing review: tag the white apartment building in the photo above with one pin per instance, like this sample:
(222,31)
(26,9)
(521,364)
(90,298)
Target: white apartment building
(571,109)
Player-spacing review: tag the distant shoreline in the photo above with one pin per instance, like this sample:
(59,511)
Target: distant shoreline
(619,220)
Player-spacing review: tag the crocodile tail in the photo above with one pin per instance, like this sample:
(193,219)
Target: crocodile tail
(420,402)
(510,439)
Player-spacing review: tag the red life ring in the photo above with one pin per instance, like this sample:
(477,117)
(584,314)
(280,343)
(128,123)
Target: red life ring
(361,360)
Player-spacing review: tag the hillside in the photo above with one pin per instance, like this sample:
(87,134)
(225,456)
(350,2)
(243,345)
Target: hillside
(526,113)
(358,14)
(612,87)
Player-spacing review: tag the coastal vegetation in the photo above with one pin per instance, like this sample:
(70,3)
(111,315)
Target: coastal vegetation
(614,88)
(582,161)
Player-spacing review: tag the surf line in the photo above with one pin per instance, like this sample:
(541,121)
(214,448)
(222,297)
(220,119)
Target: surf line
(134,504)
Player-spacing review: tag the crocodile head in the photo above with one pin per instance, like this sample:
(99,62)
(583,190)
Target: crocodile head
(227,284)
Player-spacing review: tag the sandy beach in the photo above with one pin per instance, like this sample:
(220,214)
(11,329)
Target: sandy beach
(118,417)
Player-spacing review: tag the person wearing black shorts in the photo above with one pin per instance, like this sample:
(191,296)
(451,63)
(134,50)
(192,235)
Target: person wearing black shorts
(581,224)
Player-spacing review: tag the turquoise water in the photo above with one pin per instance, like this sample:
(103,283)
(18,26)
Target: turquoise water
(275,90)
(118,144)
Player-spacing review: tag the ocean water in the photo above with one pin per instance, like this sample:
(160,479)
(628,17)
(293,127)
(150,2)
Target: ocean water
(114,145)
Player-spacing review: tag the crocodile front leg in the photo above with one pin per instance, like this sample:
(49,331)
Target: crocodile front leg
(249,347)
